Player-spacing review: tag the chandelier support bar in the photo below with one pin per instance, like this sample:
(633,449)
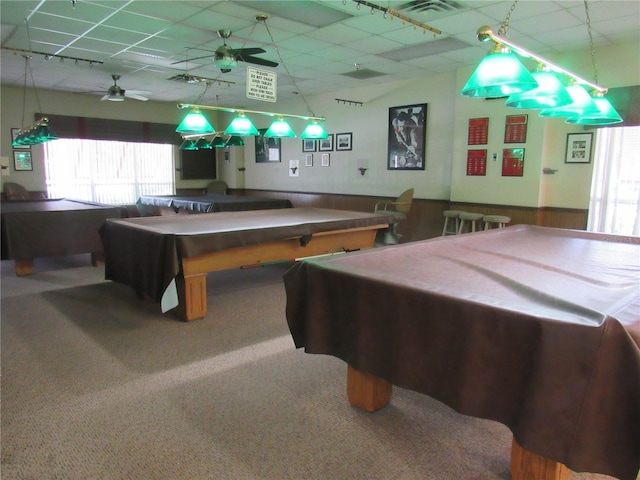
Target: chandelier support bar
(485,33)
(243,110)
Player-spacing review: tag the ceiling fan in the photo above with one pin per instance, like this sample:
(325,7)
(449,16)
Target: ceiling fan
(117,94)
(227,58)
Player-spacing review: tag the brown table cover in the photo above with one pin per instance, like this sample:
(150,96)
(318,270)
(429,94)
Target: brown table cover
(52,227)
(144,253)
(213,203)
(533,327)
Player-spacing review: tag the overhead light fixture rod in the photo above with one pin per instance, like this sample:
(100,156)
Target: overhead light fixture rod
(244,110)
(349,102)
(48,56)
(393,13)
(485,33)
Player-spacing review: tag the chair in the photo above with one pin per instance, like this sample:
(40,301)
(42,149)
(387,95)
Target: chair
(453,215)
(495,221)
(472,219)
(399,208)
(15,191)
(217,187)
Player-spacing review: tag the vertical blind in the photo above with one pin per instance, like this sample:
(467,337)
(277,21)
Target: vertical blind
(110,172)
(615,189)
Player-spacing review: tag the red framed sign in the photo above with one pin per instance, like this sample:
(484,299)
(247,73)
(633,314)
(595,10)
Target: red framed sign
(478,131)
(515,129)
(476,162)
(512,162)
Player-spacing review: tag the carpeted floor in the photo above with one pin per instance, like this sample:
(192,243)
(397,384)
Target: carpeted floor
(98,385)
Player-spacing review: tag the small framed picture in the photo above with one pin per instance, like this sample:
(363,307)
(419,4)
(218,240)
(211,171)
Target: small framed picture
(326,144)
(325,159)
(22,161)
(14,135)
(309,146)
(343,141)
(308,160)
(578,148)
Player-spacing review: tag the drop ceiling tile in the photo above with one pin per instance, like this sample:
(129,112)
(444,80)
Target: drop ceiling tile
(59,24)
(137,23)
(462,22)
(548,22)
(174,11)
(375,44)
(84,11)
(303,44)
(113,34)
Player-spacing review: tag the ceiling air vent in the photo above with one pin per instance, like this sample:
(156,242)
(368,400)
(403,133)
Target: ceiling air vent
(431,6)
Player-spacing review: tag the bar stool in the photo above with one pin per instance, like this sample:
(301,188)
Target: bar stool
(495,221)
(472,218)
(450,215)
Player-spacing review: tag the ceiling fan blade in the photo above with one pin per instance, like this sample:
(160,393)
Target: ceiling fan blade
(258,61)
(137,92)
(106,97)
(136,96)
(247,51)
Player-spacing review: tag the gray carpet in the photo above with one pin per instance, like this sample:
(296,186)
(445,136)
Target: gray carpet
(98,385)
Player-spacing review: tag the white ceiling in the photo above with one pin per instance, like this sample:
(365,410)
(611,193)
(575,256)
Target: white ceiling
(141,40)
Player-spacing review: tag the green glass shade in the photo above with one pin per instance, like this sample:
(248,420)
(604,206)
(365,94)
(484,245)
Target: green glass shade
(195,123)
(314,131)
(203,143)
(188,144)
(241,126)
(498,75)
(605,115)
(549,94)
(218,142)
(280,129)
(235,142)
(44,134)
(582,103)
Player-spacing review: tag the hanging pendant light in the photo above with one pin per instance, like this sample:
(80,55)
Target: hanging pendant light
(218,142)
(188,144)
(549,94)
(235,142)
(195,123)
(241,126)
(280,129)
(314,131)
(582,103)
(203,144)
(605,114)
(499,74)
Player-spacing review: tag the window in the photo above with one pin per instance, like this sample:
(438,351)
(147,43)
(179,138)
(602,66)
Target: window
(110,172)
(615,189)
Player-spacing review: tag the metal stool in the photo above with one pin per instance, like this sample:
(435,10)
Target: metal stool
(472,218)
(450,215)
(497,221)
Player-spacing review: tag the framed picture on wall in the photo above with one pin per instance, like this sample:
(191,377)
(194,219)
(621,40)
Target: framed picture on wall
(14,135)
(309,145)
(326,144)
(267,148)
(407,137)
(22,161)
(578,148)
(308,160)
(343,141)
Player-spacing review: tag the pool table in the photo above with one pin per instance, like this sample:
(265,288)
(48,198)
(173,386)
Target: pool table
(52,227)
(167,258)
(212,203)
(536,328)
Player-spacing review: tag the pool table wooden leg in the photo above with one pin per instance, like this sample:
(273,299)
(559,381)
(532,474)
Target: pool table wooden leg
(367,391)
(192,292)
(527,465)
(372,393)
(24,267)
